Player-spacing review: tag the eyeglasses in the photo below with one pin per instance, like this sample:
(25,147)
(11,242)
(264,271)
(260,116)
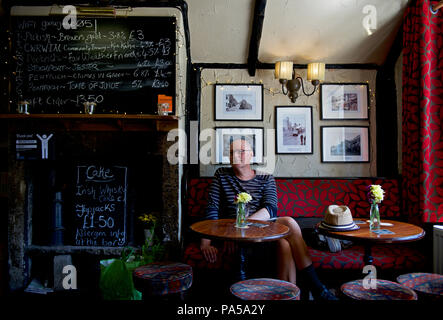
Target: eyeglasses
(237,152)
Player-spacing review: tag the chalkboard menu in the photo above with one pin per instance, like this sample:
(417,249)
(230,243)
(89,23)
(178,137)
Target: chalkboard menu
(122,64)
(100,206)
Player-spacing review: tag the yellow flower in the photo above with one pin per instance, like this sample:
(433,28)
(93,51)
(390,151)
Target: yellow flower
(376,193)
(242,197)
(148,218)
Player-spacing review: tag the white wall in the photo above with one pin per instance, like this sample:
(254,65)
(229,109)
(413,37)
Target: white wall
(291,165)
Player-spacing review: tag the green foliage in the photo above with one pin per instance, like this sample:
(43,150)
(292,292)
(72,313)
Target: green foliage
(116,278)
(153,249)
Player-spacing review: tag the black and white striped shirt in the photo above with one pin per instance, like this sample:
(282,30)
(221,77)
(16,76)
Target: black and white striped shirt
(225,186)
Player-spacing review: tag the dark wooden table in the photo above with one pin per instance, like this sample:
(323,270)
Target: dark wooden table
(402,232)
(224,229)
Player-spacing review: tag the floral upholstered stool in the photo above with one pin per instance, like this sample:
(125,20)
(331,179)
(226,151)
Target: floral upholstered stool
(384,290)
(427,285)
(265,289)
(163,278)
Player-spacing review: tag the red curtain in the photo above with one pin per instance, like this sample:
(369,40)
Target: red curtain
(422,114)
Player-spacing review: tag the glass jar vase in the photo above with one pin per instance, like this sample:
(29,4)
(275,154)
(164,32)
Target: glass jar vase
(242,214)
(374,217)
(149,237)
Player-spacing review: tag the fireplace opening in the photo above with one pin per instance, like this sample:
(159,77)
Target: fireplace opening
(57,200)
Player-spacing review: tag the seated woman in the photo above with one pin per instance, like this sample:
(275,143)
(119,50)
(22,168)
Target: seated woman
(292,251)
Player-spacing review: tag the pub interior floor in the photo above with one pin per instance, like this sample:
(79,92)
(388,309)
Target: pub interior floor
(215,287)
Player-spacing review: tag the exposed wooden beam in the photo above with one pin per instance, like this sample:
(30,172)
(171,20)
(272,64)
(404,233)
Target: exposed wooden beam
(254,44)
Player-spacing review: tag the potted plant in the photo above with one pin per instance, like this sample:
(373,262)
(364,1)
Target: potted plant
(153,248)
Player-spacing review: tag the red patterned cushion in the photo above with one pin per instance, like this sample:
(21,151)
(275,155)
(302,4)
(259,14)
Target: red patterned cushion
(311,197)
(194,257)
(160,278)
(197,196)
(265,289)
(389,256)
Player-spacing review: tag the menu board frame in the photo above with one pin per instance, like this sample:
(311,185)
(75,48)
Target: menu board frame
(125,74)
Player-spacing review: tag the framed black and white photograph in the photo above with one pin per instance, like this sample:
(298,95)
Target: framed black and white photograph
(344,144)
(344,101)
(239,102)
(293,129)
(225,135)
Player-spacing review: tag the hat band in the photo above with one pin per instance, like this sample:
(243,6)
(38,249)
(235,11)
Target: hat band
(338,226)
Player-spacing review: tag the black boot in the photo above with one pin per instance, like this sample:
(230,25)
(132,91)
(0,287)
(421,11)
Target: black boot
(309,281)
(303,285)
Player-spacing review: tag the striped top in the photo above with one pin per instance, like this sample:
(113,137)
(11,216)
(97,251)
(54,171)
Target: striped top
(225,186)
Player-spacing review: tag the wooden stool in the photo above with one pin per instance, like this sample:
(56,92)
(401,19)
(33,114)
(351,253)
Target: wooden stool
(265,289)
(163,278)
(427,285)
(386,290)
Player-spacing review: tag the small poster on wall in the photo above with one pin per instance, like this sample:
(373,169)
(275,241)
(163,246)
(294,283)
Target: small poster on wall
(34,146)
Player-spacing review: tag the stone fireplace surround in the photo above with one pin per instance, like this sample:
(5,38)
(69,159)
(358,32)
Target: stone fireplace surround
(29,229)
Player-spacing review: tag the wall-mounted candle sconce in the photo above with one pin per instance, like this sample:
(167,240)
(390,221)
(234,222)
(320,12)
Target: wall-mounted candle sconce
(291,83)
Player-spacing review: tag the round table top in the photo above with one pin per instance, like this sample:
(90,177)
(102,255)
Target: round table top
(224,229)
(402,232)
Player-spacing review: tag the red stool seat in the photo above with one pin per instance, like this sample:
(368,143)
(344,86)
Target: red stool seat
(385,290)
(427,283)
(161,278)
(265,289)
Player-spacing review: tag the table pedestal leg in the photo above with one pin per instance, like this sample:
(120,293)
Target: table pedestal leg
(367,259)
(242,264)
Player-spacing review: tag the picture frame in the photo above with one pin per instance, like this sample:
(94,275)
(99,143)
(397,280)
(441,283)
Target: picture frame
(238,102)
(345,144)
(225,135)
(344,101)
(294,130)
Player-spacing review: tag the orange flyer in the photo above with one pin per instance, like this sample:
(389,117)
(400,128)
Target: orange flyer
(165,99)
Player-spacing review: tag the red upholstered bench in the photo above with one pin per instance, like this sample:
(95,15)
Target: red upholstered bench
(305,198)
(386,257)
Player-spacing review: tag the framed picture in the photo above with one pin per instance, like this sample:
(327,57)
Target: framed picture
(239,102)
(294,129)
(344,144)
(344,101)
(224,136)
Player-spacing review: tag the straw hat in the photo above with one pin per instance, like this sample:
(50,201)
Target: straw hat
(338,218)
